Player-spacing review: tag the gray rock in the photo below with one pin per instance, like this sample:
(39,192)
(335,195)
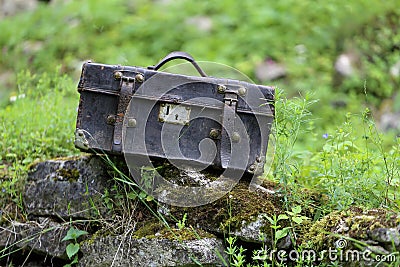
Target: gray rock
(12,7)
(345,64)
(67,188)
(126,251)
(30,47)
(250,231)
(390,121)
(395,70)
(386,236)
(42,237)
(377,250)
(270,70)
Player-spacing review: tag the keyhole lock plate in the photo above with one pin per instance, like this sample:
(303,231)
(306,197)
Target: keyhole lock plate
(175,114)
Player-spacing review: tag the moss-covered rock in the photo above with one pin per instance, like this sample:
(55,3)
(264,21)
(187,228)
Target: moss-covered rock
(353,224)
(67,188)
(240,212)
(73,186)
(123,250)
(155,229)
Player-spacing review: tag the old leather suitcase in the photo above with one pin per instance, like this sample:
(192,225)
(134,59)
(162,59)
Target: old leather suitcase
(195,121)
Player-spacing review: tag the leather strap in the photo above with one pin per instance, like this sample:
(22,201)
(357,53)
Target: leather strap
(228,127)
(126,89)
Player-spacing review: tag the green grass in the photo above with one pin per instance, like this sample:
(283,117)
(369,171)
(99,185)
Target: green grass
(352,163)
(38,125)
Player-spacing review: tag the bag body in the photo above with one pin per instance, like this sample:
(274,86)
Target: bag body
(200,121)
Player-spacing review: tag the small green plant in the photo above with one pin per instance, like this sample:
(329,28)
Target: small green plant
(262,255)
(236,256)
(181,223)
(295,215)
(73,248)
(108,202)
(276,232)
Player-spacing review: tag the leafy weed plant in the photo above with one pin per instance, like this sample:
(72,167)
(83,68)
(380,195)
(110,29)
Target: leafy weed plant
(73,248)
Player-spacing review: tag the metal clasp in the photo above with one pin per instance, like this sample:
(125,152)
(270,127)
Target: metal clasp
(230,98)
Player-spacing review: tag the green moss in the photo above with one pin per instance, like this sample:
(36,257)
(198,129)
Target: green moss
(155,229)
(149,228)
(318,233)
(245,206)
(92,239)
(238,207)
(73,158)
(71,174)
(354,223)
(183,234)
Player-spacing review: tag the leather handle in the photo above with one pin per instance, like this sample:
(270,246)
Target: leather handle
(178,55)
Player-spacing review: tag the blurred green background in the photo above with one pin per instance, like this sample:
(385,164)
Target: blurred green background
(341,58)
(304,38)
